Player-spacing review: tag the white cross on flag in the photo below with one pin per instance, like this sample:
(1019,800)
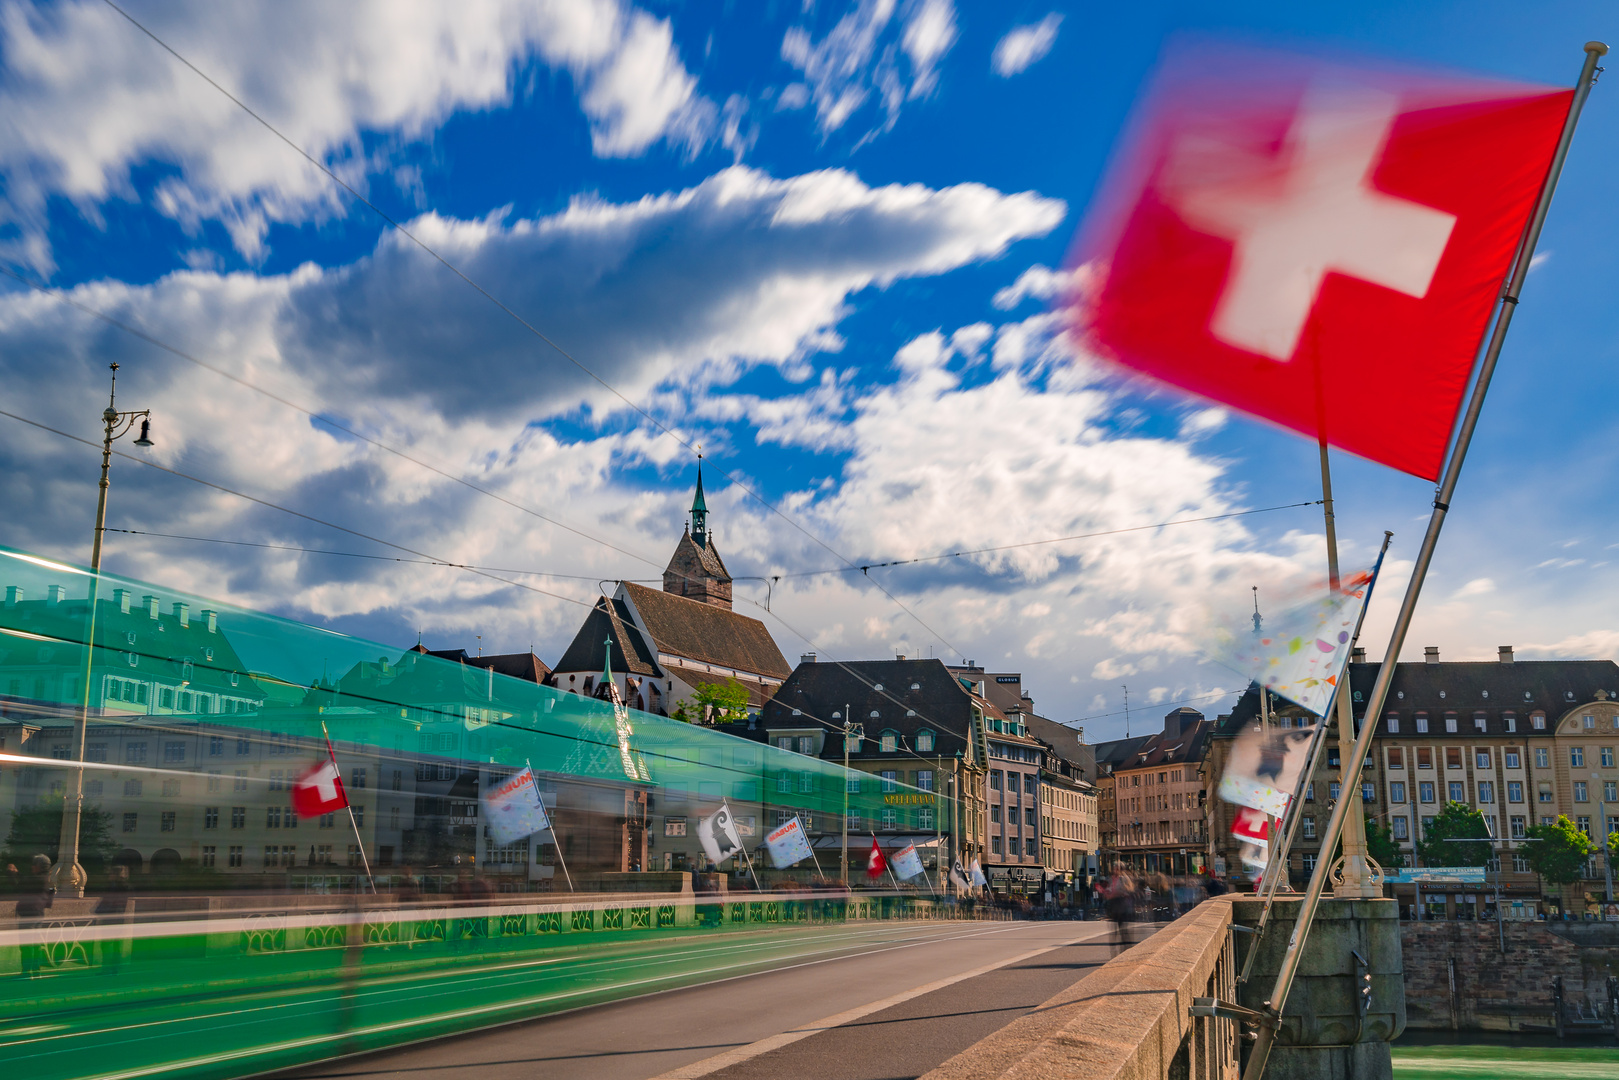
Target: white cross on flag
(1316,243)
(319,791)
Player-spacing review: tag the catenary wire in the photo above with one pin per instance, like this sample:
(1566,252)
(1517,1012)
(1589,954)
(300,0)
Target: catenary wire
(295,513)
(142,335)
(520,320)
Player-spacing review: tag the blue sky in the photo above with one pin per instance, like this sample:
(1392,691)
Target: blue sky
(794,234)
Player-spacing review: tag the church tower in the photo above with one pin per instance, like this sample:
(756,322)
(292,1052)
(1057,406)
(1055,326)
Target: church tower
(696,570)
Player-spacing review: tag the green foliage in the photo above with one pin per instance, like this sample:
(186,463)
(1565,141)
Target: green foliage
(1560,856)
(37,830)
(1380,845)
(714,703)
(1456,821)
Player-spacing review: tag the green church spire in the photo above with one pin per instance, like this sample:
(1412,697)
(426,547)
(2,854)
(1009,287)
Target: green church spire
(699,511)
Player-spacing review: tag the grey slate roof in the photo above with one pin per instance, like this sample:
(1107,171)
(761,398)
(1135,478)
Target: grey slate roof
(941,704)
(705,632)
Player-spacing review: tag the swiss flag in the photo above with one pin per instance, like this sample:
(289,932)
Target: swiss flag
(1251,825)
(876,864)
(1316,243)
(319,791)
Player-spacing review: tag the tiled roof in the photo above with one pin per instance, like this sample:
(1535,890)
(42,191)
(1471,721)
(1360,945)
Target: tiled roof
(522,665)
(609,619)
(1118,753)
(705,632)
(1491,688)
(923,687)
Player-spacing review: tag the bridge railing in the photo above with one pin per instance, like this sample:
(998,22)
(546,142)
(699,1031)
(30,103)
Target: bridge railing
(1130,1019)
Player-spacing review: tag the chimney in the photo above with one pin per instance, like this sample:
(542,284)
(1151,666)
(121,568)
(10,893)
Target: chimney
(53,595)
(121,598)
(1357,655)
(807,658)
(211,620)
(13,595)
(899,656)
(1505,653)
(182,614)
(1431,654)
(150,604)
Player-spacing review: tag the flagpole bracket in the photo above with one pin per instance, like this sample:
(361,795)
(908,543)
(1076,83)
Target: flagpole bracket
(1212,1008)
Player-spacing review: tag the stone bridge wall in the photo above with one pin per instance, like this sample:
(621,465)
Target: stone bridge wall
(1493,992)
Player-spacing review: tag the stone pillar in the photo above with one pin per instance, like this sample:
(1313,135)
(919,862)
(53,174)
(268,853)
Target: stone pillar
(1359,878)
(1324,1035)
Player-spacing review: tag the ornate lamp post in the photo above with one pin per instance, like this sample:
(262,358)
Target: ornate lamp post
(116,425)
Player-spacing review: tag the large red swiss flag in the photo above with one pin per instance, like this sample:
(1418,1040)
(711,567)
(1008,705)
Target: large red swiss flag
(1316,244)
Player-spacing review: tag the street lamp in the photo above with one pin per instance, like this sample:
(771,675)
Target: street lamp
(115,425)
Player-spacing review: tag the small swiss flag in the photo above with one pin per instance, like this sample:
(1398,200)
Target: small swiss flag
(876,864)
(319,791)
(1316,243)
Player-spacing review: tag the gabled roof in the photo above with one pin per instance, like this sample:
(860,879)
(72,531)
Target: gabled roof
(521,665)
(1490,688)
(610,620)
(704,632)
(1118,753)
(923,687)
(694,560)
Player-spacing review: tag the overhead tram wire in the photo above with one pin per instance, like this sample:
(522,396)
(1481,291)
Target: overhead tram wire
(1051,540)
(321,418)
(520,320)
(296,513)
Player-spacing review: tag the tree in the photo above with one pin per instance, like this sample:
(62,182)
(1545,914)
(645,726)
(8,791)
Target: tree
(37,830)
(714,703)
(1561,854)
(1456,821)
(1380,845)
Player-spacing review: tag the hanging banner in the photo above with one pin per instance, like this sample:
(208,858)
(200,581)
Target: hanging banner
(788,844)
(906,862)
(1265,765)
(513,808)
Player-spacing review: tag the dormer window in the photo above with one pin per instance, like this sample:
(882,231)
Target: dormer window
(924,742)
(890,742)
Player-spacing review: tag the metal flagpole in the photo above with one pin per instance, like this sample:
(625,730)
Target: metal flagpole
(550,822)
(886,862)
(814,857)
(749,864)
(1295,808)
(355,825)
(1430,540)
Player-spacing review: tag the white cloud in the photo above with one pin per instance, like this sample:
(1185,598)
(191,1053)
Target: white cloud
(1477,587)
(1039,283)
(324,74)
(1024,46)
(858,61)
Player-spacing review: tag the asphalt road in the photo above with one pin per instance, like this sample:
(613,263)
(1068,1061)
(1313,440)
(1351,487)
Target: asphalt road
(893,1005)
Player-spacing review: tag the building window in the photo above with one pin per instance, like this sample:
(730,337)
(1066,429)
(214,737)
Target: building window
(1422,723)
(784,742)
(1542,758)
(994,779)
(1309,828)
(1514,791)
(272,817)
(328,821)
(994,815)
(1518,824)
(1368,792)
(166,821)
(1486,791)
(1396,758)
(1481,759)
(210,817)
(1520,864)
(889,776)
(1590,722)
(132,789)
(1584,822)
(358,776)
(674,826)
(1425,791)
(505,854)
(1458,791)
(134,753)
(174,752)
(890,742)
(234,855)
(1607,757)
(238,817)
(1308,859)
(1576,757)
(1478,721)
(1545,792)
(1538,721)
(851,784)
(1427,823)
(1453,757)
(1397,791)
(1309,791)
(1333,789)
(129,822)
(924,742)
(924,818)
(924,779)
(1332,757)
(1028,816)
(1394,723)
(1424,757)
(1450,723)
(241,780)
(1610,791)
(994,845)
(1513,761)
(1401,827)
(889,819)
(1511,720)
(1029,848)
(1579,791)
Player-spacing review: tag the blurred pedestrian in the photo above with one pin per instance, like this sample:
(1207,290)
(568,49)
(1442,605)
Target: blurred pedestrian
(1119,904)
(37,895)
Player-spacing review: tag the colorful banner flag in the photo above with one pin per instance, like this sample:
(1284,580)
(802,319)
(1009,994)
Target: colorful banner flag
(787,843)
(907,863)
(979,880)
(717,834)
(1314,242)
(1265,765)
(513,808)
(1252,831)
(958,875)
(1301,649)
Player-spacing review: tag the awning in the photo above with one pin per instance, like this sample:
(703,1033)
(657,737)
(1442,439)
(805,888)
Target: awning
(856,840)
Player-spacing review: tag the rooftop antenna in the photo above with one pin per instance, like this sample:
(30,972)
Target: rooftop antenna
(1256,610)
(480,643)
(1126,712)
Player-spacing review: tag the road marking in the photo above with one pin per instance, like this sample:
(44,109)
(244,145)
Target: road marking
(786,1038)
